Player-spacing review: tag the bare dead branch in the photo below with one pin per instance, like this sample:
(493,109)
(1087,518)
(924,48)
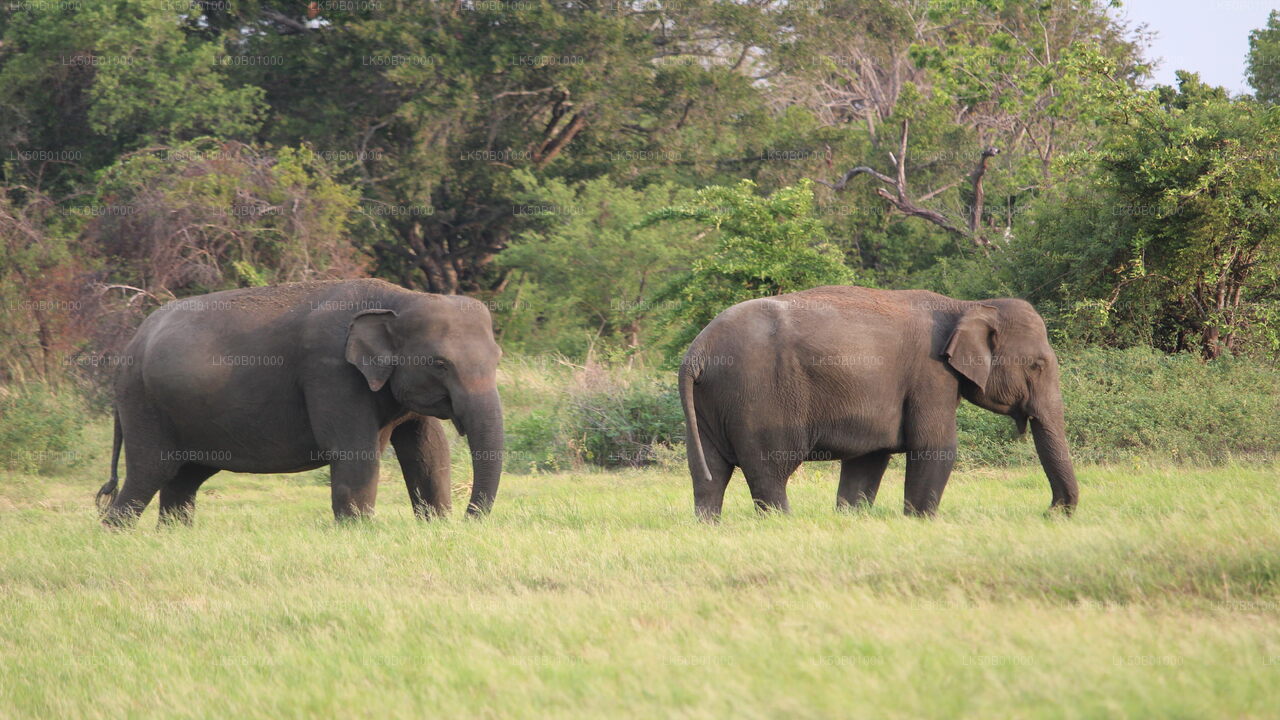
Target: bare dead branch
(860,170)
(901,200)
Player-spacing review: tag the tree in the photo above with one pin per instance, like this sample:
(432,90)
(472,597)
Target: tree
(41,287)
(1263,62)
(439,102)
(1182,236)
(970,101)
(209,215)
(587,264)
(82,83)
(761,246)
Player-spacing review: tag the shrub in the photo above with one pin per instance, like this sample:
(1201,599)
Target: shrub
(41,429)
(1122,404)
(623,425)
(606,416)
(763,246)
(536,442)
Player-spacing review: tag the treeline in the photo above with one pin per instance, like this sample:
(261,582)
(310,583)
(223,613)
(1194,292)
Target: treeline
(609,175)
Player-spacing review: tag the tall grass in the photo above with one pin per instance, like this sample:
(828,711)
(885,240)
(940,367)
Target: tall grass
(597,594)
(591,593)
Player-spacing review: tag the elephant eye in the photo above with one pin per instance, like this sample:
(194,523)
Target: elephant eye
(1037,364)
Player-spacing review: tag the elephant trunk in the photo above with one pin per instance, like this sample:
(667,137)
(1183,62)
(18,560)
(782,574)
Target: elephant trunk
(1050,434)
(483,422)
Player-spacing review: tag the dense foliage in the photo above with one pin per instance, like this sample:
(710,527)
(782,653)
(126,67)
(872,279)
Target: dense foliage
(41,431)
(609,176)
(761,247)
(1171,235)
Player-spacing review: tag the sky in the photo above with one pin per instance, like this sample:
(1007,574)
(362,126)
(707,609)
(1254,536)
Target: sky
(1210,37)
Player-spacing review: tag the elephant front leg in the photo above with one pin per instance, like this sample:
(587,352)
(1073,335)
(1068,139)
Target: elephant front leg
(860,480)
(353,479)
(423,450)
(927,474)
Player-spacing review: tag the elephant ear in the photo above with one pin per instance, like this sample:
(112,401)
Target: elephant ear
(971,347)
(371,346)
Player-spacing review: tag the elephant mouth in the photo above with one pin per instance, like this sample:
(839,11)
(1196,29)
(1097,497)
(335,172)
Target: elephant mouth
(1020,420)
(436,407)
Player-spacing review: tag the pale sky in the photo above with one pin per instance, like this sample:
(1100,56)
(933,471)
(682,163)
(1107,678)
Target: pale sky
(1210,37)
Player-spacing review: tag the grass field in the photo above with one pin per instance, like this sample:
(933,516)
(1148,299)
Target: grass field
(598,595)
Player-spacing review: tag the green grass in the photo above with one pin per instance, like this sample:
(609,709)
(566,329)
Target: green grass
(598,595)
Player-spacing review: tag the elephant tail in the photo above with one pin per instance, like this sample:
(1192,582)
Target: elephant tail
(690,369)
(108,492)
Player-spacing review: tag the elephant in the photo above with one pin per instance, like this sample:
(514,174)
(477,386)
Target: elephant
(298,376)
(856,375)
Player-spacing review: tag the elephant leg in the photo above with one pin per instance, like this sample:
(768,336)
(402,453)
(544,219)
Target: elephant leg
(353,480)
(423,451)
(353,441)
(767,474)
(860,479)
(708,498)
(146,471)
(927,474)
(178,496)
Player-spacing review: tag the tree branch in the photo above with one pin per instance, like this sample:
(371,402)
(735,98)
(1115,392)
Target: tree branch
(979,195)
(291,26)
(860,170)
(553,145)
(902,202)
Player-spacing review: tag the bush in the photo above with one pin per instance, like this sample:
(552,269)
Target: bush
(598,415)
(1135,402)
(41,429)
(536,442)
(624,425)
(1122,403)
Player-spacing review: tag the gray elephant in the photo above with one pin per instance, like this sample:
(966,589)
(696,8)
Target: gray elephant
(855,374)
(296,377)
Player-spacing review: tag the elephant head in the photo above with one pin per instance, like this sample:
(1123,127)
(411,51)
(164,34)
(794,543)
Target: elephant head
(1002,351)
(438,358)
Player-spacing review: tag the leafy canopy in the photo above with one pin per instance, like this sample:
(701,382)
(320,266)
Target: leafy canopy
(762,246)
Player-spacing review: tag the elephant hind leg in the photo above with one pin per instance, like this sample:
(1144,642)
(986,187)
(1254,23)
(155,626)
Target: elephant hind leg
(178,496)
(151,460)
(708,498)
(767,474)
(141,483)
(860,480)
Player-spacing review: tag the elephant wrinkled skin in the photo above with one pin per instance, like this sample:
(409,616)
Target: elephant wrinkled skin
(300,376)
(855,374)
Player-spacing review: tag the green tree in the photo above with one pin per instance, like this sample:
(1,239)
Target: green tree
(760,247)
(81,83)
(439,102)
(1263,62)
(1172,231)
(587,264)
(949,115)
